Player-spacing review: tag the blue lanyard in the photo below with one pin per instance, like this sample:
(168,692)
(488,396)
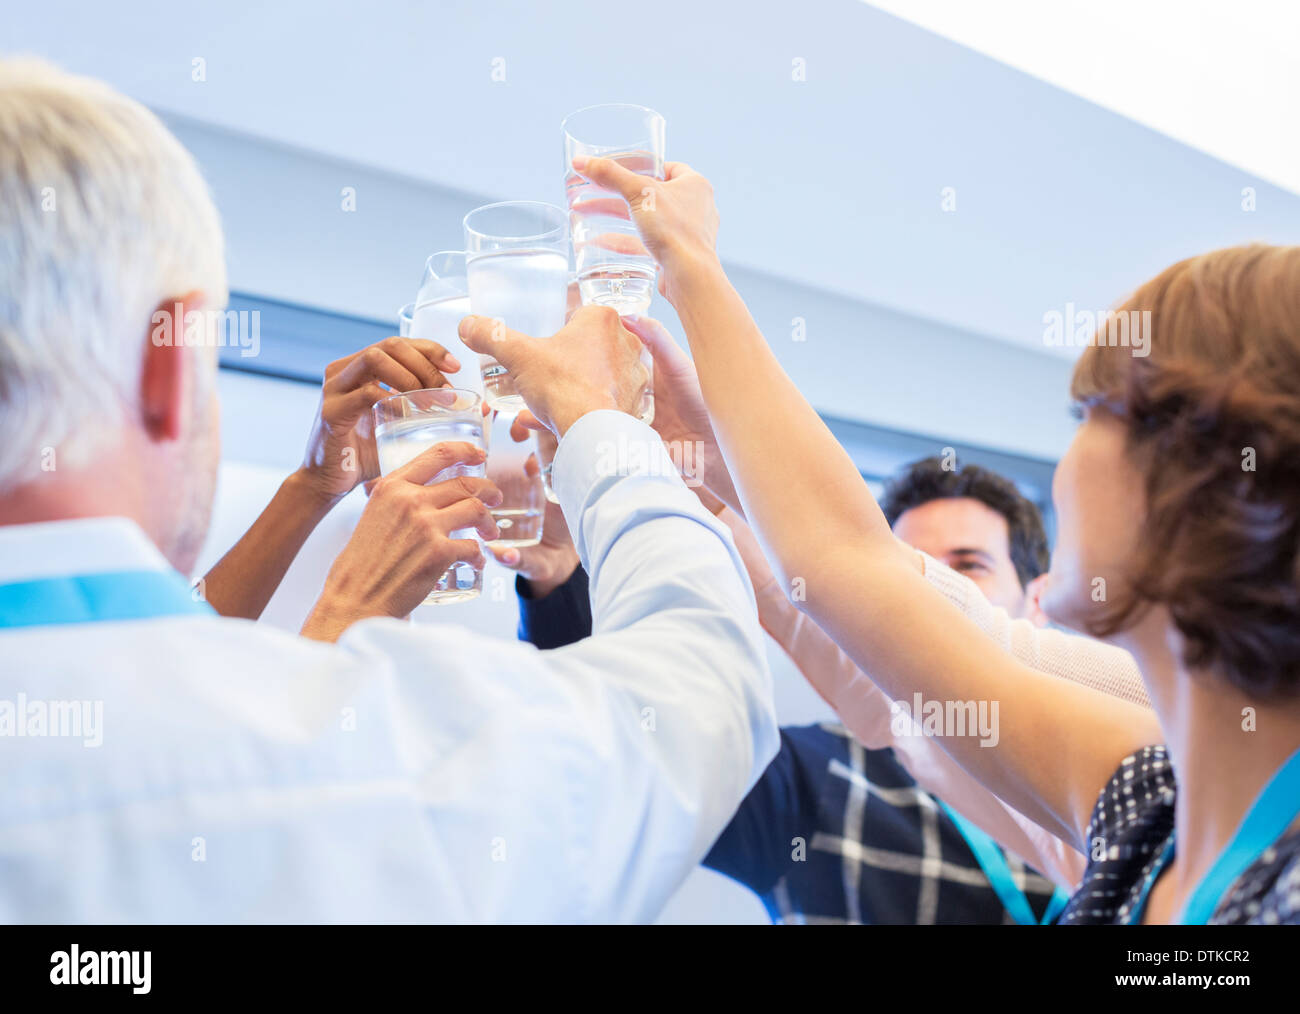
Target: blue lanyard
(90,598)
(1273,811)
(994,865)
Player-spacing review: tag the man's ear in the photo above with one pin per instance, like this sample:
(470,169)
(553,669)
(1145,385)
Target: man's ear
(1033,611)
(165,390)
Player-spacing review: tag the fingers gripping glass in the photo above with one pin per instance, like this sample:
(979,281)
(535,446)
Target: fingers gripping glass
(409,424)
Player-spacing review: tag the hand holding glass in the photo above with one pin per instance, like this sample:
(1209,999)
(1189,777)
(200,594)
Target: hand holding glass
(409,424)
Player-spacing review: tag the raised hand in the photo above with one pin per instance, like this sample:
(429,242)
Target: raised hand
(592,363)
(676,216)
(341,449)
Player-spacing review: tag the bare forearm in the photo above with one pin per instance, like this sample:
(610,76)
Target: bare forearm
(243,581)
(825,534)
(792,478)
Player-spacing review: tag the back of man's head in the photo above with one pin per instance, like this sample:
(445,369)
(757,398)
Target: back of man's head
(104,218)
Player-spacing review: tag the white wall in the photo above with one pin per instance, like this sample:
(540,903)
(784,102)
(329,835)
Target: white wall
(288,239)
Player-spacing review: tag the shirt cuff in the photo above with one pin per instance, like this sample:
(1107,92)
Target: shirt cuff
(596,451)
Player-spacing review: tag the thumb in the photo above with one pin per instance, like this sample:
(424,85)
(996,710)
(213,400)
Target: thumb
(508,557)
(607,173)
(489,336)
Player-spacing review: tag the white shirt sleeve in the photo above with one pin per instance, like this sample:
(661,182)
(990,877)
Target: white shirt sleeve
(601,772)
(867,713)
(675,672)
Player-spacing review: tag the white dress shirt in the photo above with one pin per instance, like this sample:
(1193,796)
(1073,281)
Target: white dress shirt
(410,772)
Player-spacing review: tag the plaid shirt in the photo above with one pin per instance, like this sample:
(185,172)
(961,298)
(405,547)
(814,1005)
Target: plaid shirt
(836,833)
(832,832)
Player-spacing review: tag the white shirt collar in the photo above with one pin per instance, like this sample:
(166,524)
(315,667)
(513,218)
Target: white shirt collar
(77,546)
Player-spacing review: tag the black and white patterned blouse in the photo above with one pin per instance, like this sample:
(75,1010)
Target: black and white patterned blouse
(1131,828)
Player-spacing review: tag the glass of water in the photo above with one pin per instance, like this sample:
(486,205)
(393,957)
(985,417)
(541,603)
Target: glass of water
(547,445)
(409,424)
(440,305)
(517,265)
(613,266)
(515,469)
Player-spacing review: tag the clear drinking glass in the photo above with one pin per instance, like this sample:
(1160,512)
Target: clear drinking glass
(547,445)
(409,424)
(440,305)
(613,266)
(517,264)
(515,468)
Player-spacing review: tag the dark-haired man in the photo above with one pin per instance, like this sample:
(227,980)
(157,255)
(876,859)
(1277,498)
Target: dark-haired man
(975,521)
(834,832)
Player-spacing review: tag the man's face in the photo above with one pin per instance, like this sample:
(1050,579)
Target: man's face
(972,539)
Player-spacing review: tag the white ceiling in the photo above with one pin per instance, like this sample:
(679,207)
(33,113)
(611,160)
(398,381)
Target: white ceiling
(1221,77)
(834,181)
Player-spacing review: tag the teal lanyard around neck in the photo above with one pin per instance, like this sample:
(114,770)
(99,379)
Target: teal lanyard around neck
(91,598)
(1273,811)
(994,865)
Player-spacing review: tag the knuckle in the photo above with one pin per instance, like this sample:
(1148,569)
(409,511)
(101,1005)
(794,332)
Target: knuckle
(605,316)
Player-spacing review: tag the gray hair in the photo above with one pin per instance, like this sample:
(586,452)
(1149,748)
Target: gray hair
(103,217)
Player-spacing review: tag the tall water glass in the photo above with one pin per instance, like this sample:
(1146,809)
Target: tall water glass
(440,305)
(515,468)
(409,424)
(613,266)
(547,445)
(517,263)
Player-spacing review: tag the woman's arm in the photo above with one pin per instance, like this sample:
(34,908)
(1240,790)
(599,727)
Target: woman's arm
(866,711)
(1057,742)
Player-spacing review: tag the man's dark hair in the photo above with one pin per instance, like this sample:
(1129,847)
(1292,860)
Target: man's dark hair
(928,479)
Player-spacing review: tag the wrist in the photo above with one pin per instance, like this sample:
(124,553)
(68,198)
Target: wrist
(690,265)
(565,416)
(308,490)
(342,603)
(541,585)
(328,618)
